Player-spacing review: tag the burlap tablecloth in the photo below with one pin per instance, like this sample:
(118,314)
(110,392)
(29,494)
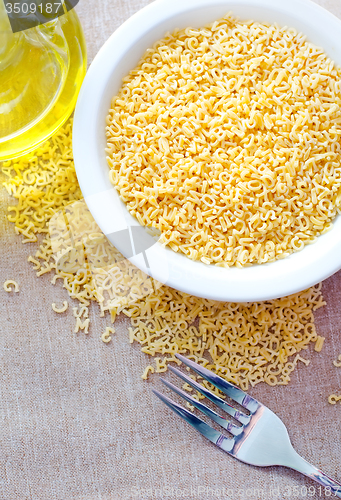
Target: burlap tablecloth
(78,423)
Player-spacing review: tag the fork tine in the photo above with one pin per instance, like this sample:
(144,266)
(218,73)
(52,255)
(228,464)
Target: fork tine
(241,417)
(229,389)
(229,426)
(214,436)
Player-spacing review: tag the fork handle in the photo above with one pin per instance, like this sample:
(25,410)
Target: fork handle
(301,465)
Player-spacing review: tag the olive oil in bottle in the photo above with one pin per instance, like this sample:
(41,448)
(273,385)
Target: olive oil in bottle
(41,71)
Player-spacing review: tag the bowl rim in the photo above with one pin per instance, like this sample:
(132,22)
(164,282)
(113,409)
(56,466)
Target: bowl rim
(258,282)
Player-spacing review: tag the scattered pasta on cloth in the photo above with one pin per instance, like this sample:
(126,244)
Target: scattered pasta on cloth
(106,335)
(337,362)
(244,343)
(227,140)
(319,343)
(333,399)
(62,309)
(11,285)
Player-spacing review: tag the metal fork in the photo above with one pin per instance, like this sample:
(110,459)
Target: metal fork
(262,439)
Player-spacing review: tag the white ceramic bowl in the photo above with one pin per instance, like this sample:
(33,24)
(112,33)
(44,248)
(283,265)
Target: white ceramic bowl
(118,56)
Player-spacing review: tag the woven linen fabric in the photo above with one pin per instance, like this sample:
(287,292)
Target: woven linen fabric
(77,422)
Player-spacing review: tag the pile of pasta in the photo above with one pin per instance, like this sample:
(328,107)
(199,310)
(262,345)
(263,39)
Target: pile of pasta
(227,140)
(51,212)
(245,343)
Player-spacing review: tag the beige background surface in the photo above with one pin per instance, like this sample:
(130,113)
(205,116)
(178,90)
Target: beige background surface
(78,423)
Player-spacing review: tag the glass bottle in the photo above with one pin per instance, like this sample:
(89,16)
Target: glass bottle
(41,72)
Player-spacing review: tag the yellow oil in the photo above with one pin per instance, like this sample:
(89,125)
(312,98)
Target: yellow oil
(41,71)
